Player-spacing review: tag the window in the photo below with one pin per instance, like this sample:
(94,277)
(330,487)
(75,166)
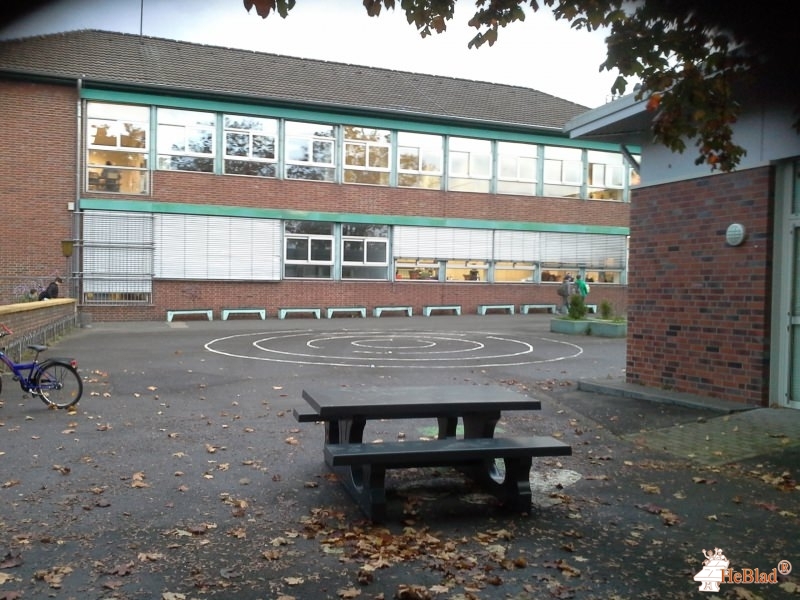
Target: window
(563,172)
(117,257)
(516,168)
(250,146)
(600,257)
(310,151)
(367,155)
(470,165)
(606,175)
(365,251)
(308,249)
(514,272)
(422,269)
(117,148)
(217,248)
(419,160)
(185,140)
(466,270)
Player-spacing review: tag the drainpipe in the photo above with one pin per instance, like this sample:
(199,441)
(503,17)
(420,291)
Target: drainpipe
(77,258)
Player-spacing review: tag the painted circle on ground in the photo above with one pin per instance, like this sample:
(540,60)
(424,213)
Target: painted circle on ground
(393,350)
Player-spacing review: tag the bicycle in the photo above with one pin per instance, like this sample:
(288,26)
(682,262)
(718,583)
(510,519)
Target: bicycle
(55,381)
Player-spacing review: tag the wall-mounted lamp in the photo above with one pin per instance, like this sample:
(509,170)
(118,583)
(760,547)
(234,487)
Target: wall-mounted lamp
(735,234)
(67,247)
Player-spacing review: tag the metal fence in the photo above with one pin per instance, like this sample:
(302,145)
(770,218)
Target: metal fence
(41,335)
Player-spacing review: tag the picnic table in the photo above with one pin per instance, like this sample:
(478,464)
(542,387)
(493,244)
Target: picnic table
(361,466)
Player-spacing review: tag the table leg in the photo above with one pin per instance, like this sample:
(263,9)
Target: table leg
(342,431)
(447,427)
(480,425)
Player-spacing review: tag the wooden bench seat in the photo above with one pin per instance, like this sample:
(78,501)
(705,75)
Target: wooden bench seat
(261,312)
(482,308)
(172,313)
(362,467)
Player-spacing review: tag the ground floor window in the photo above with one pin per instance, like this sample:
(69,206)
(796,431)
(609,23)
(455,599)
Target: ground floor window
(117,253)
(308,249)
(467,270)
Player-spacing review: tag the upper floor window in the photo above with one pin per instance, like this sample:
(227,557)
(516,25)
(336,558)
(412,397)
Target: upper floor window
(563,171)
(117,147)
(250,146)
(419,160)
(308,249)
(310,151)
(367,155)
(186,140)
(606,175)
(516,168)
(469,165)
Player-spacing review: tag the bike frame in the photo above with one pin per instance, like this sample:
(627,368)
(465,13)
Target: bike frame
(20,370)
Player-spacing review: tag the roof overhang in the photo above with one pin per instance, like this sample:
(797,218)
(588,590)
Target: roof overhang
(622,121)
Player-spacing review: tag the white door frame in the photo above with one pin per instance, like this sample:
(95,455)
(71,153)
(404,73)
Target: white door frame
(786,268)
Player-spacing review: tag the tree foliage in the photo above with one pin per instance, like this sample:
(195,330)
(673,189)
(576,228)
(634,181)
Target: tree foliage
(693,59)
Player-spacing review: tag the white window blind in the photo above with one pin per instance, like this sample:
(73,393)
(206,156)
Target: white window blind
(442,242)
(589,250)
(516,245)
(117,252)
(210,247)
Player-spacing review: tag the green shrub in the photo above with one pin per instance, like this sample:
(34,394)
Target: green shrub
(577,307)
(606,310)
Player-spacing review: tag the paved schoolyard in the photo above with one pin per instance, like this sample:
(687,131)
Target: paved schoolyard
(182,474)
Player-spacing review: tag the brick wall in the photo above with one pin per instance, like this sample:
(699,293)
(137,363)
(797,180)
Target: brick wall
(36,322)
(37,177)
(698,309)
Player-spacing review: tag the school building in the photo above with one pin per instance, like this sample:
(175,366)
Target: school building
(184,176)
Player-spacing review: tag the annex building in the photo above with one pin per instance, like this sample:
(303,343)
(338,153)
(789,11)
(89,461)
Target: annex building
(714,300)
(191,176)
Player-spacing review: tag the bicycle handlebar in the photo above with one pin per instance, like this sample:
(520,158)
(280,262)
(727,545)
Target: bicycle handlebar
(5,330)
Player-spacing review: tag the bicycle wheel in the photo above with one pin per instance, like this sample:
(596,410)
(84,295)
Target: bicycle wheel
(58,384)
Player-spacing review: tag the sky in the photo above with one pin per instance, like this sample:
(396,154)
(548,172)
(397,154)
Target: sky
(539,53)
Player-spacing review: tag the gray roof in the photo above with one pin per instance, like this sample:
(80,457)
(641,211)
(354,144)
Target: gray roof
(129,61)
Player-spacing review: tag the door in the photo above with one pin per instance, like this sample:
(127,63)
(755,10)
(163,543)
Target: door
(785,375)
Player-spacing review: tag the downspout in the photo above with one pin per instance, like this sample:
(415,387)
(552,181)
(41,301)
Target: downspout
(77,248)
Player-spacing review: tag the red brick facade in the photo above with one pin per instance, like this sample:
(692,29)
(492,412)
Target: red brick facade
(39,151)
(699,309)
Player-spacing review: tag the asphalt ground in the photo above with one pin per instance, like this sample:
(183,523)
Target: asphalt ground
(182,473)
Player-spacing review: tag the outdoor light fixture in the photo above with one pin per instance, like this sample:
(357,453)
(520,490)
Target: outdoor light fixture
(735,234)
(66,247)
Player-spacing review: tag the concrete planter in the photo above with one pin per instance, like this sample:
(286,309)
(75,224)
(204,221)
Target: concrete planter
(570,326)
(609,329)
